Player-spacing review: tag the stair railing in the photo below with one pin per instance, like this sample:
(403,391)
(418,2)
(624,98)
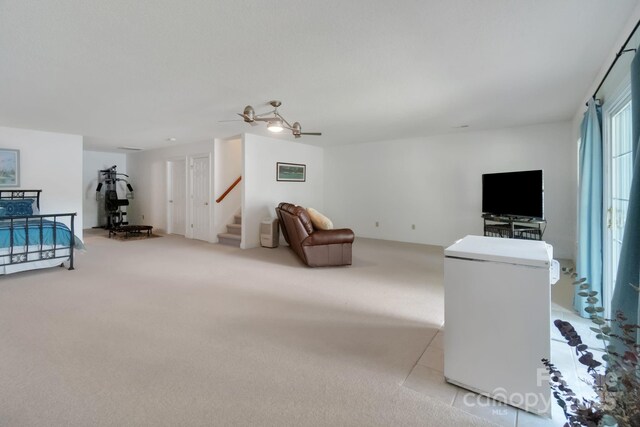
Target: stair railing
(231,187)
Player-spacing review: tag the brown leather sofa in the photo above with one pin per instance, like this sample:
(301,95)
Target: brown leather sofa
(316,248)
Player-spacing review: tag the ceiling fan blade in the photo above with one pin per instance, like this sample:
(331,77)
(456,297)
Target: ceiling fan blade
(229,120)
(311,133)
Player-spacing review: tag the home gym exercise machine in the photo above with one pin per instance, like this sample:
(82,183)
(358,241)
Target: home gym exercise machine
(113,206)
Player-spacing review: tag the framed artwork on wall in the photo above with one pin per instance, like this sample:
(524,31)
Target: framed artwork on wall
(292,172)
(9,167)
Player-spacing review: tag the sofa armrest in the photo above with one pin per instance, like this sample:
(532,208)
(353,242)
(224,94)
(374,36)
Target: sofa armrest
(329,237)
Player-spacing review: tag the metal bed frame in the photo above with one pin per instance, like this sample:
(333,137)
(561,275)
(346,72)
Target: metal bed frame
(19,256)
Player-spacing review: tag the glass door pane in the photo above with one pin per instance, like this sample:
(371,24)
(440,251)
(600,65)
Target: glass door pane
(618,182)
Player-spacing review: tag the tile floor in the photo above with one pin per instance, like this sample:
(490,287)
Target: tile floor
(427,377)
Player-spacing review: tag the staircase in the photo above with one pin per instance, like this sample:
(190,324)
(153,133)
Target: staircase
(234,232)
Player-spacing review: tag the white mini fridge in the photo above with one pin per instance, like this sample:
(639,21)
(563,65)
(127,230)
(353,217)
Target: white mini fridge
(498,319)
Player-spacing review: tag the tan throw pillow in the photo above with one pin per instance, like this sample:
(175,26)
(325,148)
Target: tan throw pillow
(319,221)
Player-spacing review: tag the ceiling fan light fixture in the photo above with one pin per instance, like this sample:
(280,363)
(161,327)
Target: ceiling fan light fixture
(275,122)
(275,126)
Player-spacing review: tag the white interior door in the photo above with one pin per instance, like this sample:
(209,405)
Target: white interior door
(177,206)
(617,176)
(200,197)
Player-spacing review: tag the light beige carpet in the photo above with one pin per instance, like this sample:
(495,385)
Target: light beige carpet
(178,332)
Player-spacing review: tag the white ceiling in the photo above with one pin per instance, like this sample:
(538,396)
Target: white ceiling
(134,73)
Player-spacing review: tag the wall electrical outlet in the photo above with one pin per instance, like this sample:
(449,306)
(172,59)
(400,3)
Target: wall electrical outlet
(413,226)
(377,224)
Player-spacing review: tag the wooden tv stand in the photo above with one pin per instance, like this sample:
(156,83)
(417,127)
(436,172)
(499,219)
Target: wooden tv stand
(514,227)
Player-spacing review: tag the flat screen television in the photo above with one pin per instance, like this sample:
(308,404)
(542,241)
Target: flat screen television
(513,194)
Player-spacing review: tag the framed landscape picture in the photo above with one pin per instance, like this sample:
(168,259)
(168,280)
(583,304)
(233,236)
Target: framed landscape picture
(9,168)
(291,172)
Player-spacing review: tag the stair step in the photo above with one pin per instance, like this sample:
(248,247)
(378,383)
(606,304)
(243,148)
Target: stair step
(234,229)
(229,239)
(237,219)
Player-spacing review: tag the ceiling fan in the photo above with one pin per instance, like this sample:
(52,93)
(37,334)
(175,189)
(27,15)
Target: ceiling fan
(275,121)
